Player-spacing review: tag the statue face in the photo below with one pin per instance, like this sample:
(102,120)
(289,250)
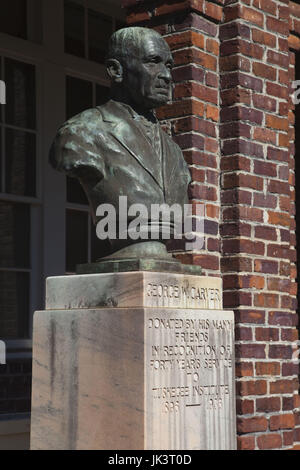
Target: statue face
(147,76)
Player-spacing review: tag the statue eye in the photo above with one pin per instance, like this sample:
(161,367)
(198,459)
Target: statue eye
(155,60)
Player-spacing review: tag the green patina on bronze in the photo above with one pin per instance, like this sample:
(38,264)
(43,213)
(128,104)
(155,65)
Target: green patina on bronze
(138,264)
(119,149)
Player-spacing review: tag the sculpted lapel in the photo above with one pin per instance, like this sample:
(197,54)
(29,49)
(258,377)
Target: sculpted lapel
(127,132)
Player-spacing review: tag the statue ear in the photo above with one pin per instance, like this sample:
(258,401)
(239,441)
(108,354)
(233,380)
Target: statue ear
(114,70)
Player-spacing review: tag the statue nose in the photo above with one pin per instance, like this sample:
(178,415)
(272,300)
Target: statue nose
(165,73)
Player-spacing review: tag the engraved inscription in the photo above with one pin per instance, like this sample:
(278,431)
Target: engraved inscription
(187,360)
(201,297)
(190,386)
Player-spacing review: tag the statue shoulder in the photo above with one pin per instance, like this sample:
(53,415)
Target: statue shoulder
(82,124)
(75,144)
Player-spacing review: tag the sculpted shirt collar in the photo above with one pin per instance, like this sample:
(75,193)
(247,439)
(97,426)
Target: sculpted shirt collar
(151,129)
(152,120)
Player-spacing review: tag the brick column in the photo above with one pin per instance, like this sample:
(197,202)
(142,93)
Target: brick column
(193,116)
(294,43)
(293,243)
(258,229)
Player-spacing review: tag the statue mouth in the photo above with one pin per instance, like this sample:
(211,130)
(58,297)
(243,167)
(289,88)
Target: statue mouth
(163,90)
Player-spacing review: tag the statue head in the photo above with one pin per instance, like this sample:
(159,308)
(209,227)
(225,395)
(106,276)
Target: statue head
(139,64)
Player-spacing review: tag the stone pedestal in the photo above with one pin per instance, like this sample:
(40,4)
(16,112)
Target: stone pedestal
(137,360)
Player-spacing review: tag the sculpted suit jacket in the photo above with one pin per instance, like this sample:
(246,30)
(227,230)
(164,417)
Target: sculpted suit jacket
(106,149)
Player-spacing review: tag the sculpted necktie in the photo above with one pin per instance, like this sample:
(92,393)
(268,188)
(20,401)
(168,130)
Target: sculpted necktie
(152,131)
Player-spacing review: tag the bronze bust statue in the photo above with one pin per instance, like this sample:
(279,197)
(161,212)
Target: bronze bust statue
(119,149)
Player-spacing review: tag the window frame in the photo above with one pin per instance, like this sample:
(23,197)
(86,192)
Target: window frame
(49,207)
(108,8)
(35,203)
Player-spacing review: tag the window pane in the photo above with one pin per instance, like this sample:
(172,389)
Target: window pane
(13,18)
(79,96)
(20,163)
(14,305)
(100,30)
(20,109)
(75,192)
(14,235)
(102,94)
(74,29)
(76,239)
(1,161)
(35,21)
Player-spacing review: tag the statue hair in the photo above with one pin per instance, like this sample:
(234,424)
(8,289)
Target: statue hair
(127,42)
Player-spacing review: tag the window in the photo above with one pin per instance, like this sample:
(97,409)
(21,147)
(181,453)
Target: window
(14,270)
(13,18)
(76,238)
(45,225)
(22,19)
(87,31)
(74,29)
(18,138)
(81,240)
(19,130)
(100,28)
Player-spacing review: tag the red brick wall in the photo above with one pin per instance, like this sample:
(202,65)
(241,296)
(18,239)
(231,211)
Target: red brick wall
(258,217)
(233,117)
